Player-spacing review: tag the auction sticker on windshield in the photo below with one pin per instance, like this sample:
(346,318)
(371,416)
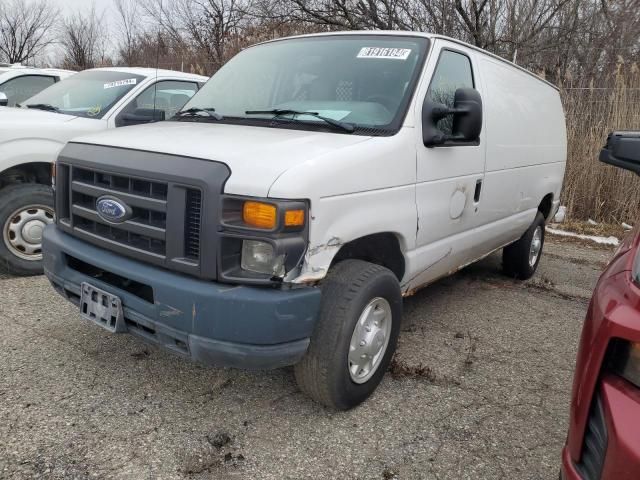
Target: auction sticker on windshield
(120,83)
(384,52)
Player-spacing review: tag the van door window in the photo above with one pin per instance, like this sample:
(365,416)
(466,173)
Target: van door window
(19,89)
(452,72)
(168,96)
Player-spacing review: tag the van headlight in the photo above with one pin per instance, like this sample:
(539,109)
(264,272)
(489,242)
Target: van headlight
(260,257)
(262,239)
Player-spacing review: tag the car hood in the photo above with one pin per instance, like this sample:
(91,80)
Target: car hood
(22,123)
(256,156)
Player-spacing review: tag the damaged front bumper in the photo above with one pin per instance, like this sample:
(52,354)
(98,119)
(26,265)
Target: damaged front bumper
(219,324)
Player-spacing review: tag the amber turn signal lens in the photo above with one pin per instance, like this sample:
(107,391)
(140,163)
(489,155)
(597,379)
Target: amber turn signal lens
(259,215)
(294,218)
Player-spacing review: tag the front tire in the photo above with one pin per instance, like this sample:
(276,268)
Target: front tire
(520,259)
(25,210)
(355,336)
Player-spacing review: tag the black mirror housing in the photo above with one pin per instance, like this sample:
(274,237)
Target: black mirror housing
(467,119)
(467,124)
(622,150)
(142,115)
(4,101)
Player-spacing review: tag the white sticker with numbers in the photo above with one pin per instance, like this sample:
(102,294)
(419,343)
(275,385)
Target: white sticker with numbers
(384,52)
(120,83)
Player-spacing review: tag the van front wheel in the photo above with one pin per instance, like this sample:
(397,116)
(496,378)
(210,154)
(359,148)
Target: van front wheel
(520,259)
(355,335)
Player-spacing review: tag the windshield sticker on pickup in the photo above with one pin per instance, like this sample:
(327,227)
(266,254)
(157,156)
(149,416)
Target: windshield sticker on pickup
(384,52)
(120,83)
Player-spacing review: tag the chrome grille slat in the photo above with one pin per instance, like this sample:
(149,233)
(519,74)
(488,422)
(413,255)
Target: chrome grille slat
(131,199)
(129,226)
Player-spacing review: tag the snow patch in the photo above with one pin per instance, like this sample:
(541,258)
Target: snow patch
(594,238)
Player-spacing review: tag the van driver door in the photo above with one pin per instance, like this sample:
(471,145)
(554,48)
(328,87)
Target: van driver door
(449,176)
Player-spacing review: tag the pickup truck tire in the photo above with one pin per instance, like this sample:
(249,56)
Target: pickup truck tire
(25,210)
(520,259)
(362,306)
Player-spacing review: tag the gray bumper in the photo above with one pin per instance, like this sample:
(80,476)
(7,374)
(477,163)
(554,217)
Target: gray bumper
(219,324)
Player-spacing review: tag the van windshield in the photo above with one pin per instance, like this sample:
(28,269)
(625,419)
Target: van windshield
(89,94)
(364,81)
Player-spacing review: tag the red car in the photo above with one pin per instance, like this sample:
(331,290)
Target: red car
(604,426)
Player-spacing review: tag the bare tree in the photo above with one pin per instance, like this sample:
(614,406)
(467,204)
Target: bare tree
(26,29)
(208,26)
(130,28)
(83,40)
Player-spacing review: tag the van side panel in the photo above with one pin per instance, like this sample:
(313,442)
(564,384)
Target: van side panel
(526,146)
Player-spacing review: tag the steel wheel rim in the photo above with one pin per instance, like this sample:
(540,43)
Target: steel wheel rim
(369,340)
(22,232)
(536,246)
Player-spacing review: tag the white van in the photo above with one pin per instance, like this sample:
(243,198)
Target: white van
(31,138)
(313,183)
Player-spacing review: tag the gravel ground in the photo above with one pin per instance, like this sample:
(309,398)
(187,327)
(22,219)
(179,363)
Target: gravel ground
(479,389)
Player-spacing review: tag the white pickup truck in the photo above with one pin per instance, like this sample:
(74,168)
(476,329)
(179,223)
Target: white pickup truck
(18,82)
(31,138)
(309,185)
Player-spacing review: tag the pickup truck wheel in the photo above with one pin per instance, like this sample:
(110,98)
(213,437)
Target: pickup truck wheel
(520,259)
(25,210)
(355,336)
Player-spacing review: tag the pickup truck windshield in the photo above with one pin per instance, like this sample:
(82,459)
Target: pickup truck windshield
(364,81)
(87,94)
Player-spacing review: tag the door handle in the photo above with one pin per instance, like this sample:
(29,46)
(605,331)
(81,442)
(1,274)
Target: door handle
(476,195)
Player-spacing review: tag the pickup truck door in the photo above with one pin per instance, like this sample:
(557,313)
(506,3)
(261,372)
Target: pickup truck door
(449,177)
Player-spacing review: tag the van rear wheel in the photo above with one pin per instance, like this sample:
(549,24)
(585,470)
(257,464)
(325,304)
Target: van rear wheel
(355,336)
(520,259)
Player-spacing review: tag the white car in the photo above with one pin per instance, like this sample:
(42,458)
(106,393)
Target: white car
(311,184)
(17,82)
(32,136)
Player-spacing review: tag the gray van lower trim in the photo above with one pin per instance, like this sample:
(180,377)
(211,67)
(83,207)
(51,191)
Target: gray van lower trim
(224,325)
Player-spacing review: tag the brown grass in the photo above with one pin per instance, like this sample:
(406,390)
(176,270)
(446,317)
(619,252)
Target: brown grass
(591,189)
(585,228)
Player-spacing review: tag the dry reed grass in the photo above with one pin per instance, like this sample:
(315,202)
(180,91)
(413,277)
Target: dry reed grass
(592,189)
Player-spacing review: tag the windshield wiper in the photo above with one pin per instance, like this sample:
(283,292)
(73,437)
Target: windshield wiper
(43,106)
(196,111)
(279,112)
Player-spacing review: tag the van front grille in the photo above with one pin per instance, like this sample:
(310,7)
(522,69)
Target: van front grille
(143,235)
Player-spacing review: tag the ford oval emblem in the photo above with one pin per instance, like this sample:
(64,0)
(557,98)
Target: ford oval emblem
(112,210)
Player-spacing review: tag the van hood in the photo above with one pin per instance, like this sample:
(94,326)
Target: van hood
(23,123)
(256,156)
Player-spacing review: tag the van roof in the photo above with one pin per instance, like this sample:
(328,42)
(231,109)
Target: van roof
(432,36)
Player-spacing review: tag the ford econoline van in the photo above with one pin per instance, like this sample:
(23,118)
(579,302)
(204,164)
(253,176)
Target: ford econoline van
(309,186)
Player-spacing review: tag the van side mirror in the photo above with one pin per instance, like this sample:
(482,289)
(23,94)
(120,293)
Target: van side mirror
(622,150)
(141,115)
(4,101)
(467,119)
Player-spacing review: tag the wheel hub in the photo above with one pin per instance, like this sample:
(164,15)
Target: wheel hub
(22,232)
(369,340)
(536,246)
